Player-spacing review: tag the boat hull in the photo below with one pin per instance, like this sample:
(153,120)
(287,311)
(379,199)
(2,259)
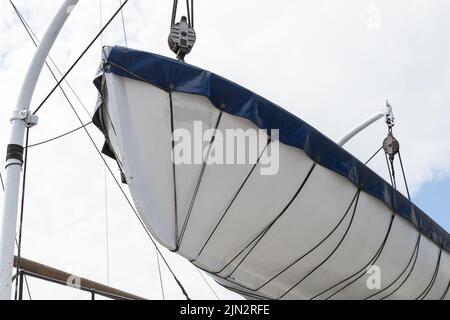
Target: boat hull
(303,231)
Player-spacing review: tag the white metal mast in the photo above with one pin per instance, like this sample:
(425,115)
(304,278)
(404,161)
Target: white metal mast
(21,119)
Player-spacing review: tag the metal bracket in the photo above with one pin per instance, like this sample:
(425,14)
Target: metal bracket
(390,120)
(390,145)
(27,116)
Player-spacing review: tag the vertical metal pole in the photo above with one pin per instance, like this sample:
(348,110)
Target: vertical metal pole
(21,275)
(22,119)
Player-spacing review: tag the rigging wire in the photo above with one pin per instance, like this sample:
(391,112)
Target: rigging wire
(189,10)
(174,12)
(208,284)
(27,286)
(372,261)
(411,259)
(406,278)
(188,13)
(107,226)
(97,149)
(134,210)
(1,180)
(123,26)
(101,22)
(391,171)
(393,183)
(136,214)
(374,155)
(355,208)
(160,276)
(303,256)
(79,57)
(105,169)
(22,207)
(35,40)
(192,13)
(60,136)
(404,175)
(15,276)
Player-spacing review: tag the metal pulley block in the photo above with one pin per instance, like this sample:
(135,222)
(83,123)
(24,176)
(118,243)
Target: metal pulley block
(182,38)
(391,146)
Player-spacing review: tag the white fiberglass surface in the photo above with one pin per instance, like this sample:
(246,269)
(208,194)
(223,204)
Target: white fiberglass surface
(442,278)
(304,232)
(260,201)
(304,223)
(144,113)
(397,251)
(187,109)
(422,274)
(216,189)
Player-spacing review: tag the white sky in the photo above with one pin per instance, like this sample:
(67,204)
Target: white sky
(332,63)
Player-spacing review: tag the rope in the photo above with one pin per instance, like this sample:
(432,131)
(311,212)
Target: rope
(305,254)
(123,25)
(393,181)
(411,259)
(312,249)
(372,261)
(79,58)
(407,276)
(361,271)
(230,204)
(332,252)
(197,187)
(427,290)
(22,207)
(60,136)
(256,240)
(446,291)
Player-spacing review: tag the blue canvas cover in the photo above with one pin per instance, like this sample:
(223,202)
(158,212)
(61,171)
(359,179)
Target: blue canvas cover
(173,75)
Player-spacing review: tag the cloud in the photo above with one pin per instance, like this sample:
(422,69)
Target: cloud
(318,59)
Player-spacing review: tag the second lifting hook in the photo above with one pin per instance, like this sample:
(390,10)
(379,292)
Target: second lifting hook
(390,144)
